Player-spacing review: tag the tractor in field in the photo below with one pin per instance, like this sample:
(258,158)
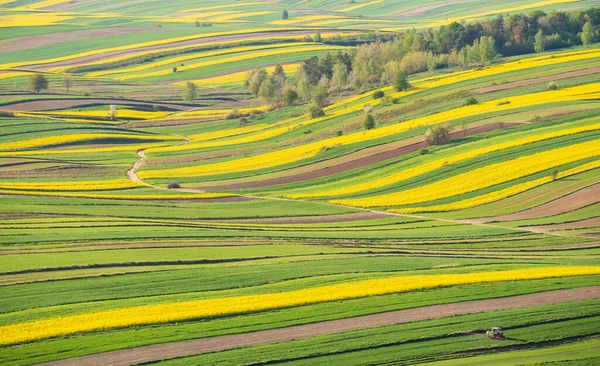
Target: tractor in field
(495,333)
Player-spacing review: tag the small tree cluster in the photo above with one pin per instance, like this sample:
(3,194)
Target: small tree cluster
(438,135)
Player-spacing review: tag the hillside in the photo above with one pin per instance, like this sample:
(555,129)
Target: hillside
(299,182)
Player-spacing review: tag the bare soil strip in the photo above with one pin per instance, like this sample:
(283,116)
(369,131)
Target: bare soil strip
(132,51)
(391,151)
(56,104)
(516,84)
(24,43)
(570,202)
(220,343)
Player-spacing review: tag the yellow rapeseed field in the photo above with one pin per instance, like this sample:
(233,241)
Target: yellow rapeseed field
(31,20)
(234,58)
(423,84)
(235,77)
(81,137)
(436,164)
(98,185)
(131,46)
(498,195)
(360,6)
(117,195)
(41,5)
(163,313)
(169,61)
(280,157)
(480,178)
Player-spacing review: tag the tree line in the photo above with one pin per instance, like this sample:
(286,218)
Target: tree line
(390,59)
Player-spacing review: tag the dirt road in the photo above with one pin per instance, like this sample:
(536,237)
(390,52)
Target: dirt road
(198,346)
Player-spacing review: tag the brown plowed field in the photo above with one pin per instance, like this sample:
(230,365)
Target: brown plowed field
(220,343)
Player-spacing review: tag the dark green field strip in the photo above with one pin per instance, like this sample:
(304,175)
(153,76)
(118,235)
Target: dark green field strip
(134,337)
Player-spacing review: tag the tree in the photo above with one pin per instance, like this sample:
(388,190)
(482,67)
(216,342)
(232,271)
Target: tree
(267,89)
(438,135)
(279,78)
(378,94)
(587,36)
(38,82)
(174,69)
(401,82)
(67,81)
(540,42)
(255,78)
(289,96)
(554,174)
(302,84)
(113,112)
(369,122)
(318,37)
(190,92)
(284,15)
(339,77)
(315,110)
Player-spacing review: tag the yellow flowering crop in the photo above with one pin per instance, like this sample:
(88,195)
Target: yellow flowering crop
(168,61)
(41,5)
(99,185)
(235,58)
(424,84)
(471,18)
(31,20)
(235,77)
(82,137)
(122,113)
(219,7)
(131,46)
(178,311)
(118,196)
(484,177)
(284,156)
(497,195)
(359,6)
(436,164)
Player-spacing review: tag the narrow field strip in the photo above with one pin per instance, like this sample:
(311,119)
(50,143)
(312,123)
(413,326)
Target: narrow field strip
(220,343)
(164,313)
(83,137)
